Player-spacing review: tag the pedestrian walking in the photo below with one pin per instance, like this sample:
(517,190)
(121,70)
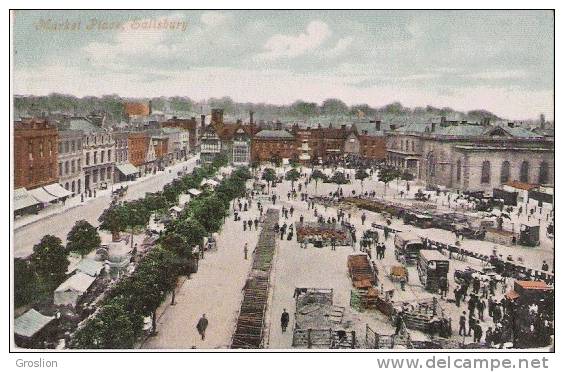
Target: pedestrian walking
(284,320)
(202,326)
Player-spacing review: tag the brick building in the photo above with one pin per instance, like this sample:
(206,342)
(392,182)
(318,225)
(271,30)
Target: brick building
(274,144)
(138,143)
(35,153)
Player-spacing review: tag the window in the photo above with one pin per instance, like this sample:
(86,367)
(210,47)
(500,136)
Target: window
(95,176)
(67,185)
(30,149)
(505,172)
(102,156)
(524,172)
(79,166)
(543,173)
(458,170)
(102,174)
(73,147)
(73,185)
(60,169)
(73,166)
(66,146)
(66,167)
(50,148)
(40,149)
(78,186)
(485,172)
(110,155)
(95,157)
(60,147)
(88,158)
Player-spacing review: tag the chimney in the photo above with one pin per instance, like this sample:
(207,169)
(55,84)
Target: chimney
(434,125)
(443,120)
(392,127)
(343,127)
(378,125)
(203,120)
(150,107)
(251,114)
(542,121)
(217,116)
(511,125)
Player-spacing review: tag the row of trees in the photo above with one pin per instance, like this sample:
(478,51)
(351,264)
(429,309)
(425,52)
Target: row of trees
(119,322)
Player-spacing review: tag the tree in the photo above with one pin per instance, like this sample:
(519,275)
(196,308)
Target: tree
(83,238)
(24,283)
(269,175)
(210,211)
(317,175)
(407,176)
(361,175)
(220,160)
(136,216)
(190,231)
(387,175)
(293,175)
(112,328)
(334,106)
(49,261)
(155,202)
(339,178)
(113,220)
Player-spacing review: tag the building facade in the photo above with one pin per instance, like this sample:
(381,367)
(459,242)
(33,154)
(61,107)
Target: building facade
(35,153)
(70,160)
(472,157)
(99,152)
(272,145)
(210,144)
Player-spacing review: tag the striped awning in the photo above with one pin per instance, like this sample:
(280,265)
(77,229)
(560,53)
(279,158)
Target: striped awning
(23,199)
(42,195)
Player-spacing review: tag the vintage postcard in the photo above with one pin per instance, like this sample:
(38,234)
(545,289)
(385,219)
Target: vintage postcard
(297,180)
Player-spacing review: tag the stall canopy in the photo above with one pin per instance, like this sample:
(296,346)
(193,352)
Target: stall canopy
(30,323)
(90,267)
(194,192)
(57,190)
(127,169)
(42,195)
(23,199)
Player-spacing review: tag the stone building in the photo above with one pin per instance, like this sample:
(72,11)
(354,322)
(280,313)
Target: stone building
(178,140)
(70,156)
(473,157)
(35,153)
(138,145)
(189,125)
(99,151)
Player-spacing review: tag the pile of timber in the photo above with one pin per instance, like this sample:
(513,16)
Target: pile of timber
(360,270)
(249,330)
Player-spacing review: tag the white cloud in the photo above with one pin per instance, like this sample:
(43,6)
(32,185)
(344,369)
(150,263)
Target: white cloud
(340,48)
(213,18)
(289,46)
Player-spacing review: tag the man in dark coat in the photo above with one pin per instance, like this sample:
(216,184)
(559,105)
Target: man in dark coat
(201,326)
(284,320)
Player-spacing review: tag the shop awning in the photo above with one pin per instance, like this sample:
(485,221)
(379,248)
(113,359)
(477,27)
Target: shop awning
(57,190)
(42,195)
(127,169)
(23,199)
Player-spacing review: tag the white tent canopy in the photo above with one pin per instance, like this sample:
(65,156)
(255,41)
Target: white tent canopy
(42,195)
(30,323)
(194,192)
(23,199)
(72,289)
(57,190)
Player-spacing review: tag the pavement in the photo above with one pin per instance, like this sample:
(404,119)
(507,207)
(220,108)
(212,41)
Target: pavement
(59,221)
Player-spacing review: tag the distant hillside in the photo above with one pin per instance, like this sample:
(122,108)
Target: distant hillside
(332,109)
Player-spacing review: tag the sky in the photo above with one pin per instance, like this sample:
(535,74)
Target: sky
(501,61)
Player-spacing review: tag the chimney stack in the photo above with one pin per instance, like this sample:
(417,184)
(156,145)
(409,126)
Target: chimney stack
(511,125)
(378,125)
(443,120)
(217,116)
(203,120)
(542,121)
(392,127)
(434,125)
(251,114)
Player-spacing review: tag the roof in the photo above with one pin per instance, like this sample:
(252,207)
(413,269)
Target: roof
(30,323)
(136,108)
(414,127)
(274,134)
(194,192)
(42,195)
(89,266)
(512,295)
(79,123)
(532,284)
(522,185)
(57,190)
(23,199)
(460,130)
(79,282)
(127,169)
(432,255)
